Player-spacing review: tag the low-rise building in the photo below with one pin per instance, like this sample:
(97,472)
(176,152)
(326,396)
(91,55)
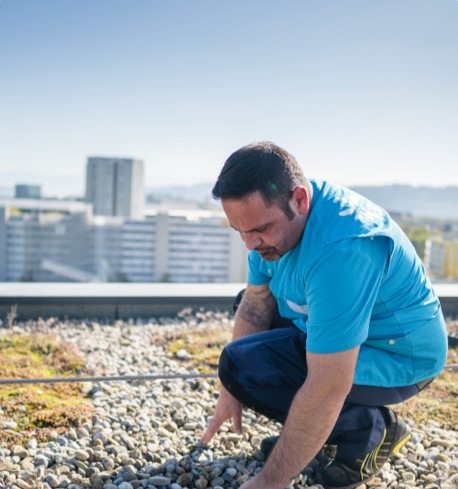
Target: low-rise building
(52,241)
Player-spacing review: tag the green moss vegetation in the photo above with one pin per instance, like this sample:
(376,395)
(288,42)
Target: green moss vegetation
(203,346)
(35,409)
(438,402)
(38,408)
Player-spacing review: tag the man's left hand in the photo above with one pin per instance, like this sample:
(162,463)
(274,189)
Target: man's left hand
(258,482)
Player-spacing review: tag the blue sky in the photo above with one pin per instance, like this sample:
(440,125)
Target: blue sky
(360,91)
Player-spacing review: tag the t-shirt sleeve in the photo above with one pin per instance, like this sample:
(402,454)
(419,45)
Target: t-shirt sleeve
(341,292)
(255,274)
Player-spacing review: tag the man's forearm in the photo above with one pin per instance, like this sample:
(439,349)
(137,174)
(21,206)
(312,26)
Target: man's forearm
(310,421)
(255,312)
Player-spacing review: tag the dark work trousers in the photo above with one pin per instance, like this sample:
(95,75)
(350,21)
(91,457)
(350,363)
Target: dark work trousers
(265,370)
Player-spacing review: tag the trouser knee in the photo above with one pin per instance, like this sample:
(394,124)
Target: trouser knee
(263,372)
(226,369)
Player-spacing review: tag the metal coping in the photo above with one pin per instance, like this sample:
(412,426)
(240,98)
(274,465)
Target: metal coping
(23,291)
(120,291)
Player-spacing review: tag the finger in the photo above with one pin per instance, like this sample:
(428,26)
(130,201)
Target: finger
(237,422)
(211,430)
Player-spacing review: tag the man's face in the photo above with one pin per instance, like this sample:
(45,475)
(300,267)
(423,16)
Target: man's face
(267,229)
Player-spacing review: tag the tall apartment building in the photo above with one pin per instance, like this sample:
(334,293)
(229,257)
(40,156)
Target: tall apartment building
(115,186)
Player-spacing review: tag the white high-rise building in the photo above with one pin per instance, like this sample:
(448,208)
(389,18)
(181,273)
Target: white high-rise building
(115,186)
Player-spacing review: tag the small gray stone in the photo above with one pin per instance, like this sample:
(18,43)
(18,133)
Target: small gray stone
(82,455)
(19,451)
(185,479)
(125,485)
(41,460)
(158,480)
(52,480)
(129,476)
(32,444)
(183,354)
(22,484)
(201,483)
(219,481)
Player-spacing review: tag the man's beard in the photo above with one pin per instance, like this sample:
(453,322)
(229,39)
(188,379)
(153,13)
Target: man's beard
(269,254)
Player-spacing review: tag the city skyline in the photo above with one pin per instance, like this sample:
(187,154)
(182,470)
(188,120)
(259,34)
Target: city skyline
(361,93)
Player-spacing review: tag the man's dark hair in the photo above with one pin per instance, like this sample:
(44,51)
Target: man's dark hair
(260,167)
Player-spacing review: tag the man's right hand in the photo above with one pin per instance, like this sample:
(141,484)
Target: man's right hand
(227,407)
(254,314)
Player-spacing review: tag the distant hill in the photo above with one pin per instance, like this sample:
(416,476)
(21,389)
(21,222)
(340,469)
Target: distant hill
(436,202)
(431,202)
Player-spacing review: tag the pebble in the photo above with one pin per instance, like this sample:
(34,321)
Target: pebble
(145,434)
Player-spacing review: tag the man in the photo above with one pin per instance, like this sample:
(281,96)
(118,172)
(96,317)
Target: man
(368,329)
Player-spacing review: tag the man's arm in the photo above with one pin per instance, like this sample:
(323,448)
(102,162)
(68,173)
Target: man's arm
(255,314)
(311,418)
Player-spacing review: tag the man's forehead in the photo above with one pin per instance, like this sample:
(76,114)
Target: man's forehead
(252,199)
(250,214)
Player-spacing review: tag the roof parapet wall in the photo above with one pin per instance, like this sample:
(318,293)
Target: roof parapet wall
(111,301)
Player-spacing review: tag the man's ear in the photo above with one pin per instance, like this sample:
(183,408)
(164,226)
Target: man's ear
(301,199)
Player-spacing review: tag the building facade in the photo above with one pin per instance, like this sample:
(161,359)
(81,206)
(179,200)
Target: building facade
(115,186)
(25,191)
(66,242)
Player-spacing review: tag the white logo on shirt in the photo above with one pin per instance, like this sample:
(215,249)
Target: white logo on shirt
(364,211)
(301,309)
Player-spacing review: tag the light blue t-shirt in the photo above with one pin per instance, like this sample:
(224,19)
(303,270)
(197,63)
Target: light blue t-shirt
(355,279)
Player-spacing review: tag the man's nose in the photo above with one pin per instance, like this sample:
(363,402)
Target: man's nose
(252,241)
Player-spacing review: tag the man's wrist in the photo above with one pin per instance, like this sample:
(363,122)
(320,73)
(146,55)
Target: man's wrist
(270,477)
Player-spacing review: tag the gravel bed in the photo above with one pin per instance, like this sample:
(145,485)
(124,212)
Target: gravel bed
(144,434)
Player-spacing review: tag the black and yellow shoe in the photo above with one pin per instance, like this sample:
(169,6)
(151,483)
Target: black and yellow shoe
(340,474)
(268,444)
